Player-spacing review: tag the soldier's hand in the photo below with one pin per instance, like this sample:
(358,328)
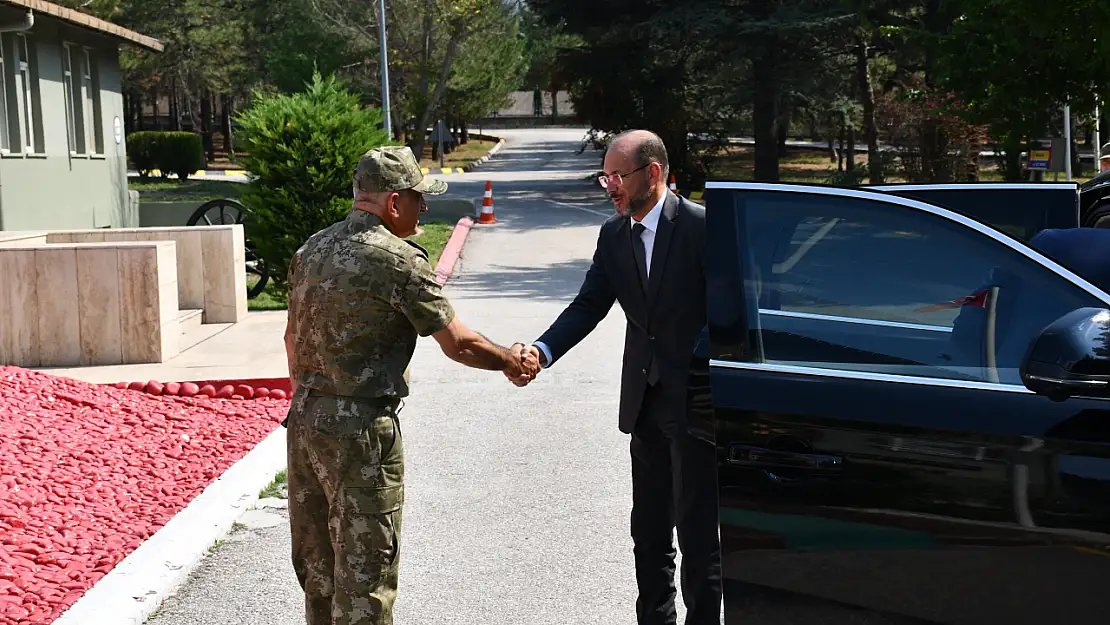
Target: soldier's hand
(524,365)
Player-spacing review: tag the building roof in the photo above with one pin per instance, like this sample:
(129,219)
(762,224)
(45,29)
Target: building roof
(87,21)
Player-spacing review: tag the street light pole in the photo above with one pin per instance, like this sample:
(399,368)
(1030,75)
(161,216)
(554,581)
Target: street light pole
(1067,140)
(385,69)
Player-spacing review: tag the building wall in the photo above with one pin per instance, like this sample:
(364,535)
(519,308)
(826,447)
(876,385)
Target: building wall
(53,188)
(524,104)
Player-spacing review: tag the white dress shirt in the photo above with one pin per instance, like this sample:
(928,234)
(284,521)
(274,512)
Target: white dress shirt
(651,225)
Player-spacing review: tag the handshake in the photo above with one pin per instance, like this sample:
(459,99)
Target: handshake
(524,364)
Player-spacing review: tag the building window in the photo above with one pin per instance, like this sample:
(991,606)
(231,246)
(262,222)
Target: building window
(25,103)
(90,85)
(70,98)
(5,132)
(24,92)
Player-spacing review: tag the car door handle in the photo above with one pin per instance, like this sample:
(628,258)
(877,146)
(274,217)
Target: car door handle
(763,458)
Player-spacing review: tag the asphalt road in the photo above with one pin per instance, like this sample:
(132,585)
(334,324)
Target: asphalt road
(517,500)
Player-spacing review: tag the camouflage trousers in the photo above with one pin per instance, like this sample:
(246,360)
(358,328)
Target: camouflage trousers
(346,489)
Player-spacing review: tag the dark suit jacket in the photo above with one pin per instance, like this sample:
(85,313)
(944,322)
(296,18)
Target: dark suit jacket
(663,324)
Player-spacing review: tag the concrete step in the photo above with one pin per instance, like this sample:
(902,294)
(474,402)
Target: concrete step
(201,333)
(190,319)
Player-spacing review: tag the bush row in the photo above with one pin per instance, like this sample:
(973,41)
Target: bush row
(180,153)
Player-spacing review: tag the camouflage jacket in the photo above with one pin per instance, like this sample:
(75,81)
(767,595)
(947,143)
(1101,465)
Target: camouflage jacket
(358,298)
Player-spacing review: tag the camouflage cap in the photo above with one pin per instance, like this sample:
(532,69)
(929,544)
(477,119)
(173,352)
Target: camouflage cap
(394,168)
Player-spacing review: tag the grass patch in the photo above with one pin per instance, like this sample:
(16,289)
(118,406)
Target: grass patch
(271,297)
(812,165)
(173,190)
(434,239)
(276,488)
(462,156)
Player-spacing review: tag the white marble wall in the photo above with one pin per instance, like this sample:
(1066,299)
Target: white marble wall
(89,304)
(211,274)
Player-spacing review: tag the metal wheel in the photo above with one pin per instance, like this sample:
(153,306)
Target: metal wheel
(221,212)
(226,212)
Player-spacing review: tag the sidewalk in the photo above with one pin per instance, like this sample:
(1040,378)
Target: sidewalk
(251,349)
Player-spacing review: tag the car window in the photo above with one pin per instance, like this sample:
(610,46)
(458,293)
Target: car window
(1016,210)
(868,285)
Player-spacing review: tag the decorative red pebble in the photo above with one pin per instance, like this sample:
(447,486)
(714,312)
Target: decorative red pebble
(207,390)
(154,387)
(225,392)
(261,392)
(246,391)
(277,393)
(172,389)
(89,472)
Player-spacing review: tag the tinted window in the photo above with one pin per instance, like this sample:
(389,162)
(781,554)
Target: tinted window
(862,284)
(1018,212)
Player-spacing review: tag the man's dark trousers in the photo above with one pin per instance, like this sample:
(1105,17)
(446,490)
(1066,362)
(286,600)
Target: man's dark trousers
(674,483)
(674,473)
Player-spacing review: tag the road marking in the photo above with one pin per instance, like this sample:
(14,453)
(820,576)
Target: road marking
(582,208)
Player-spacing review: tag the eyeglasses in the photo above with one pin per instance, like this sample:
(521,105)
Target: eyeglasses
(616,180)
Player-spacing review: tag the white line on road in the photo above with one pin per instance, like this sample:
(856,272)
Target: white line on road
(582,208)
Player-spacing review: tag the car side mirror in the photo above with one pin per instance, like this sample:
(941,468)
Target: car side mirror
(1071,357)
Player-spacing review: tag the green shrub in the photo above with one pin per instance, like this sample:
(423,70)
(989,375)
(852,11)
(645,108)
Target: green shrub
(302,152)
(180,153)
(142,149)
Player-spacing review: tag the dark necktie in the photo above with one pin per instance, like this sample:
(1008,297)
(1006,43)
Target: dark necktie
(640,254)
(641,267)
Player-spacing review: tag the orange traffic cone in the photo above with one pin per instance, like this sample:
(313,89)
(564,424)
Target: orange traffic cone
(674,187)
(486,216)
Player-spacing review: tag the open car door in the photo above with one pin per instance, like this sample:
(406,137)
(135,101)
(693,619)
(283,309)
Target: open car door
(911,415)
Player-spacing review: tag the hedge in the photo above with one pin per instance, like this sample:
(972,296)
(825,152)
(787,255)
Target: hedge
(180,153)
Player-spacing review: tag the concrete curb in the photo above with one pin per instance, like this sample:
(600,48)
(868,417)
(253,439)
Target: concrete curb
(453,250)
(138,585)
(462,170)
(494,150)
(238,174)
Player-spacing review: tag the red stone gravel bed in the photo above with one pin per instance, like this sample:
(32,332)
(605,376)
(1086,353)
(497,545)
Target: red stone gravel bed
(87,472)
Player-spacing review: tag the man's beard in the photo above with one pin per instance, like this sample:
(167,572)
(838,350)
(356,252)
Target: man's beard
(640,202)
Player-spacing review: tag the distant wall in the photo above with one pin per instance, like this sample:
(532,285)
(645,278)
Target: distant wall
(524,105)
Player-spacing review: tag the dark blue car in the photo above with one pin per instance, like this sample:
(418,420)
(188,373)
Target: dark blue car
(912,410)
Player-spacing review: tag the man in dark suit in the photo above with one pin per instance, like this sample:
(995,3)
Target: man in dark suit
(650,257)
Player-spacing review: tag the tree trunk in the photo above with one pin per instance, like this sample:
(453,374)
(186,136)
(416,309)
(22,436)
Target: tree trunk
(420,137)
(554,104)
(765,115)
(867,97)
(175,112)
(140,102)
(783,131)
(850,156)
(229,143)
(206,125)
(840,152)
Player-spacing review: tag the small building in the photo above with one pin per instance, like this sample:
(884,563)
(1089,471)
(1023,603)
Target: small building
(63,162)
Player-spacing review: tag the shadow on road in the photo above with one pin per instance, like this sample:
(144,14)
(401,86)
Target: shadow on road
(554,282)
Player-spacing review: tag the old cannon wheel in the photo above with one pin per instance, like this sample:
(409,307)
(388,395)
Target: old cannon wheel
(225,212)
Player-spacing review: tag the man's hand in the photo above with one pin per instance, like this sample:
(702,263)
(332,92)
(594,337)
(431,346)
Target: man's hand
(524,366)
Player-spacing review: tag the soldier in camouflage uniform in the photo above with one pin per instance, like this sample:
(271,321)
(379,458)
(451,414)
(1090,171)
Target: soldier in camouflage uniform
(359,296)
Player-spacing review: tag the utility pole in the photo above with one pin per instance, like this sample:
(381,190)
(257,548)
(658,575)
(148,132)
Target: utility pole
(385,70)
(1097,139)
(1067,140)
